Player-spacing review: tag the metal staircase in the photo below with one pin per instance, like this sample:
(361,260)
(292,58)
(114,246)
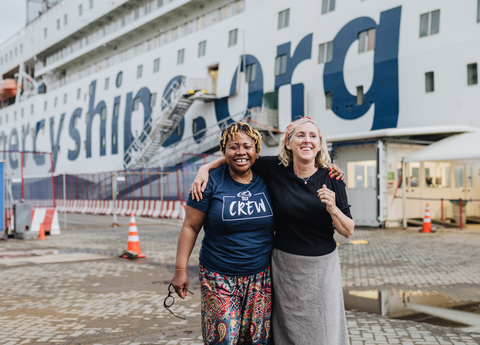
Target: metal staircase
(159,128)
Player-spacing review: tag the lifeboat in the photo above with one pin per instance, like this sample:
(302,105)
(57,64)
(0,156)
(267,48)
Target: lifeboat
(8,89)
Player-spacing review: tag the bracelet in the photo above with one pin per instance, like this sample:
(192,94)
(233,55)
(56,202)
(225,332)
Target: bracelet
(180,269)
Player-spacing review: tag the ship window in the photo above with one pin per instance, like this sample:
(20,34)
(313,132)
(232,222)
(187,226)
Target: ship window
(472,73)
(202,47)
(136,103)
(325,52)
(360,95)
(328,100)
(250,73)
(478,11)
(328,6)
(21,48)
(153,99)
(280,65)
(232,38)
(429,82)
(136,14)
(90,89)
(21,113)
(80,9)
(79,91)
(0,120)
(65,19)
(430,23)
(178,130)
(156,65)
(159,3)
(55,100)
(103,141)
(116,109)
(114,140)
(139,71)
(107,81)
(6,118)
(180,56)
(1,60)
(14,116)
(119,79)
(366,40)
(91,4)
(104,113)
(11,54)
(58,24)
(44,35)
(45,106)
(283,19)
(32,109)
(16,51)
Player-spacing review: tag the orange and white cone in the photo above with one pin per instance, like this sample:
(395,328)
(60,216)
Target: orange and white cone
(41,233)
(427,222)
(133,240)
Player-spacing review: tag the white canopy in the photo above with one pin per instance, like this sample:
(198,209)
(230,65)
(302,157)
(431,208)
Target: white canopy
(460,147)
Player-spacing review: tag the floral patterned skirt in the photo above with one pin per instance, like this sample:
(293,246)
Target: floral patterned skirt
(236,310)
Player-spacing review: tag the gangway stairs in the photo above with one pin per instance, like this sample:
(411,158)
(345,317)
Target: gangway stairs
(157,129)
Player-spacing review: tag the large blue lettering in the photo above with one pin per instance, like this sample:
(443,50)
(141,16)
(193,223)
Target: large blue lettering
(39,159)
(384,90)
(55,144)
(115,116)
(177,134)
(25,132)
(144,96)
(74,134)
(13,146)
(103,122)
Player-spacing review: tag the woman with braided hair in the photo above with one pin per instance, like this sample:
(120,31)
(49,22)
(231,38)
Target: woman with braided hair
(308,205)
(234,267)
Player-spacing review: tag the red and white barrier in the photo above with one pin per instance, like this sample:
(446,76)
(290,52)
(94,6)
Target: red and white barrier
(47,217)
(86,206)
(125,207)
(146,209)
(140,207)
(109,210)
(155,213)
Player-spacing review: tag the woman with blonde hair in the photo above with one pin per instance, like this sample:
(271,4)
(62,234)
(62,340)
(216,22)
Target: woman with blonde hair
(308,205)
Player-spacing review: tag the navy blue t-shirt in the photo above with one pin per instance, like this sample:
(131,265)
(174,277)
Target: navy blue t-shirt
(239,225)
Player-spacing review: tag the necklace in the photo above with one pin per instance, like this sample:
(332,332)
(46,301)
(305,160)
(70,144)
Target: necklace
(305,180)
(247,180)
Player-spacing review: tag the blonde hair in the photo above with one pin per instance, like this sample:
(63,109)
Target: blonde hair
(285,155)
(231,131)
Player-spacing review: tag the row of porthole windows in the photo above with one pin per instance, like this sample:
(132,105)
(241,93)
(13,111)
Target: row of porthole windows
(13,53)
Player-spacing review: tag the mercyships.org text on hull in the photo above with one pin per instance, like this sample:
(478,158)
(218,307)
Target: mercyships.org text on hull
(109,85)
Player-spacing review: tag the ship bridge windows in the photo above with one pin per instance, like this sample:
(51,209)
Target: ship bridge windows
(139,71)
(366,41)
(250,73)
(232,37)
(472,74)
(280,65)
(180,56)
(328,6)
(430,23)
(202,48)
(156,65)
(325,52)
(283,19)
(429,82)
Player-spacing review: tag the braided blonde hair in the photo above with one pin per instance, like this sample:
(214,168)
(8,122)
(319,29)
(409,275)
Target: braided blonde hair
(231,131)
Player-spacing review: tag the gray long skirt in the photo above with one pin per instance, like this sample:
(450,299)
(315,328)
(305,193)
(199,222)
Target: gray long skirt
(308,304)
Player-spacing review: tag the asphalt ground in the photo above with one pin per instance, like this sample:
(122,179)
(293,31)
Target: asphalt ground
(73,289)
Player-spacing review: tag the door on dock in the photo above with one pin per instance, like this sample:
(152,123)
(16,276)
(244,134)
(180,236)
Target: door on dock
(212,79)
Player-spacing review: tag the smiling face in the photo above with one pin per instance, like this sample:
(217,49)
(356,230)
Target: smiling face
(304,143)
(240,153)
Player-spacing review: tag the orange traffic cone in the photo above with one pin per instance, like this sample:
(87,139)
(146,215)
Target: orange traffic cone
(133,241)
(427,222)
(41,233)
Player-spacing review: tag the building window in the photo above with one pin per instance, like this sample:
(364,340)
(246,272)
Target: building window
(55,101)
(79,91)
(65,99)
(328,100)
(325,52)
(156,65)
(283,19)
(280,65)
(44,35)
(429,82)
(202,47)
(180,56)
(328,6)
(472,73)
(65,19)
(58,24)
(91,4)
(136,103)
(153,99)
(360,95)
(430,23)
(80,10)
(232,38)
(139,71)
(366,40)
(250,73)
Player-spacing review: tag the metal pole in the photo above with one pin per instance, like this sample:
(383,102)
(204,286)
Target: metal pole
(53,181)
(64,203)
(114,197)
(21,165)
(404,197)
